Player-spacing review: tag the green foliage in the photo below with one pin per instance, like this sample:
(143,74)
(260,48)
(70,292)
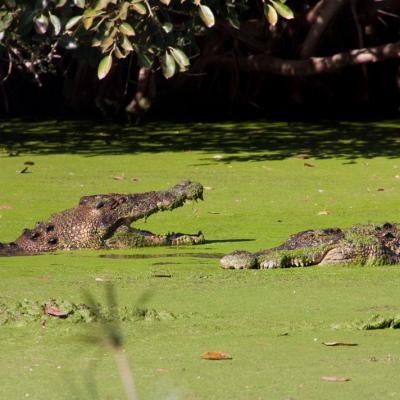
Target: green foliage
(158,32)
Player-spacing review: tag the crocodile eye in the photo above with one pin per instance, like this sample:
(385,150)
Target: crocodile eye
(26,232)
(99,204)
(52,241)
(49,228)
(35,235)
(387,226)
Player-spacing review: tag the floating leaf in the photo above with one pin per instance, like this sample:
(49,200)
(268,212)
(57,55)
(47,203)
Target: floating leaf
(206,15)
(339,344)
(23,171)
(29,163)
(334,379)
(104,67)
(216,355)
(282,9)
(309,165)
(72,22)
(168,65)
(271,14)
(323,212)
(55,312)
(126,29)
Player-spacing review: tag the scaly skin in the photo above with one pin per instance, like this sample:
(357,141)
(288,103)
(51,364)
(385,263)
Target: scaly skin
(103,221)
(361,244)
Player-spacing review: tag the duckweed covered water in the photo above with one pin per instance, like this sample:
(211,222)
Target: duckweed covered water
(263,182)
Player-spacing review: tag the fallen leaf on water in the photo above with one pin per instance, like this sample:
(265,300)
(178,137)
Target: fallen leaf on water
(208,188)
(339,344)
(119,177)
(22,171)
(218,157)
(334,379)
(5,207)
(161,370)
(380,190)
(216,355)
(135,179)
(29,163)
(162,276)
(306,164)
(323,212)
(100,279)
(214,212)
(54,312)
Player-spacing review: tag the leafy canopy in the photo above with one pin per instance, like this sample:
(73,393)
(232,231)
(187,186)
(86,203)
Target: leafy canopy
(157,32)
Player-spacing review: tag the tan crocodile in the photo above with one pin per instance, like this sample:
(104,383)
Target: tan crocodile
(104,221)
(361,244)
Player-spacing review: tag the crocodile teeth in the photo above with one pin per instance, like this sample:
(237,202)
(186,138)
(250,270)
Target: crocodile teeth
(268,264)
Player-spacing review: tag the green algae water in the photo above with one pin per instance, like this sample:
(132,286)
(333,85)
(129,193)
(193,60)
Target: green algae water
(263,181)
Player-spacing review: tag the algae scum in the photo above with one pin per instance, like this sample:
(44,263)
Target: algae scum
(263,181)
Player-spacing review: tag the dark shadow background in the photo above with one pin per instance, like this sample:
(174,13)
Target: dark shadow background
(238,141)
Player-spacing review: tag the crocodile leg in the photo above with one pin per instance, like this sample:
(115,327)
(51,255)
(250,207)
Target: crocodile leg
(127,237)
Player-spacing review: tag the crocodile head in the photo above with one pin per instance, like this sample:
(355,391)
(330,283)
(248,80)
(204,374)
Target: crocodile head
(97,218)
(360,244)
(113,210)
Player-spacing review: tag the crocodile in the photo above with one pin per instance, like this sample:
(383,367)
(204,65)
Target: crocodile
(360,244)
(103,221)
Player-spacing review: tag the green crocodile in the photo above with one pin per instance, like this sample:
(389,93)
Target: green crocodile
(103,221)
(361,244)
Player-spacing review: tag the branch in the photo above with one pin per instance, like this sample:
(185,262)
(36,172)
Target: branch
(312,66)
(325,12)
